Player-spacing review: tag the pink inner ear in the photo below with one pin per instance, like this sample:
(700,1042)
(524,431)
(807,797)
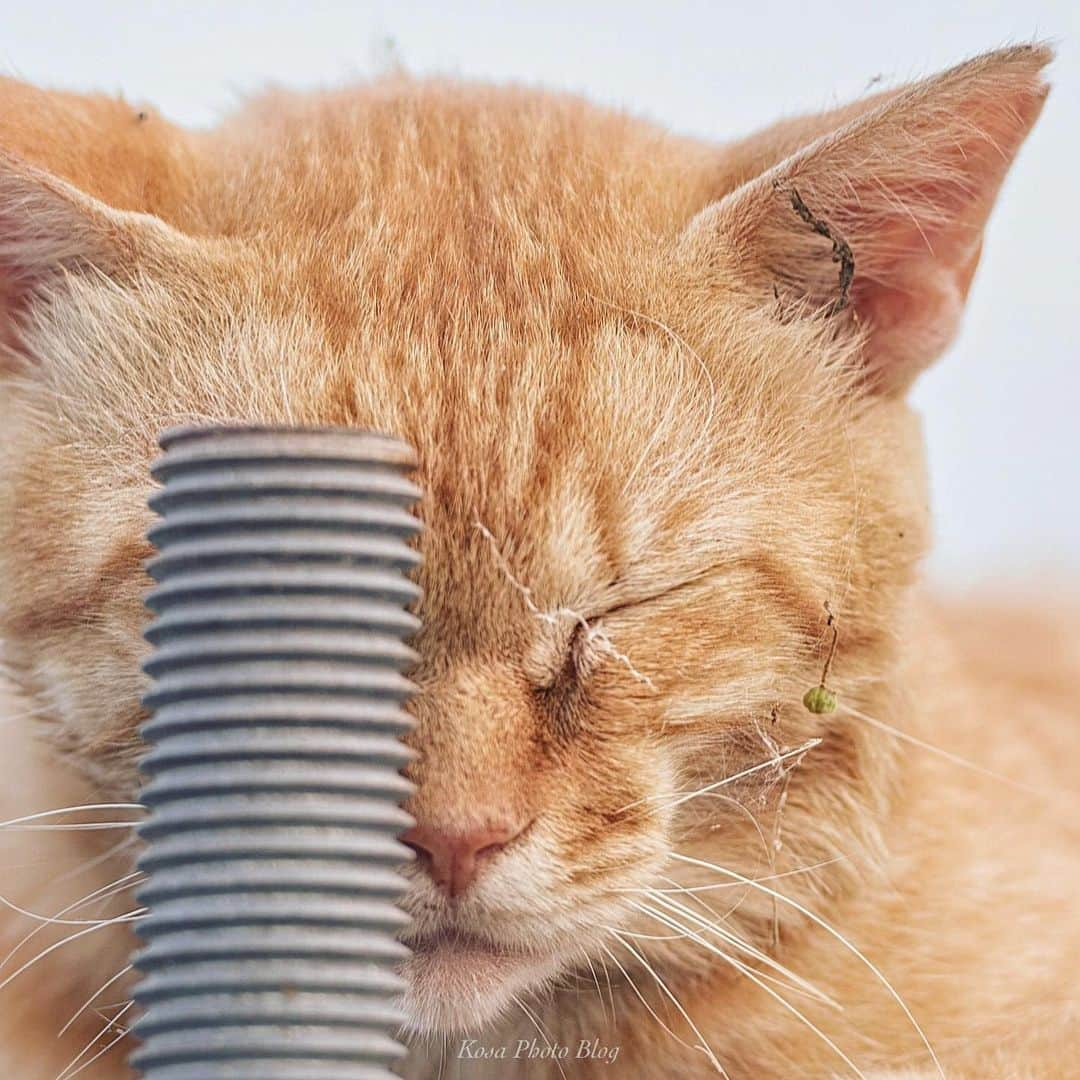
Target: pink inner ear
(915,275)
(910,323)
(921,246)
(908,185)
(919,183)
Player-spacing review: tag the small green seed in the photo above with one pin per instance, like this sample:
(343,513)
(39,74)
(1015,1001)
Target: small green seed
(819,700)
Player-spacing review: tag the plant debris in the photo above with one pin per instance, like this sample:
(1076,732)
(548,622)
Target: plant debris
(819,699)
(841,250)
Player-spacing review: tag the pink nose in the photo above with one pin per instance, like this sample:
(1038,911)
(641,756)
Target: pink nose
(454,857)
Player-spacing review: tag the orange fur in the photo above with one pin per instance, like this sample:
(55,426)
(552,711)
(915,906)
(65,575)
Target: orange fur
(653,444)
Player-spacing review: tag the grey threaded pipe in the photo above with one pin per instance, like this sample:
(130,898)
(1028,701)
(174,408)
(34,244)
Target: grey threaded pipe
(272,775)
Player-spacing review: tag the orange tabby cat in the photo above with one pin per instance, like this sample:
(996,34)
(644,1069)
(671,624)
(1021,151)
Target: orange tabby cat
(657,389)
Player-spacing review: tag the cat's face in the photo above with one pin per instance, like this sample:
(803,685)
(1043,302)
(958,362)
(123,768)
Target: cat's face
(658,430)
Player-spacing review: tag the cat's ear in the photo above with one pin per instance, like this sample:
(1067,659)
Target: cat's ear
(50,230)
(82,180)
(47,227)
(878,224)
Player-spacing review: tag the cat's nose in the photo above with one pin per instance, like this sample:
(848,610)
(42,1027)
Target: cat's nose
(454,857)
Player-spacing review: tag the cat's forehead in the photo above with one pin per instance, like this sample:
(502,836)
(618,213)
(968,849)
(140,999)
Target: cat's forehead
(453,211)
(447,158)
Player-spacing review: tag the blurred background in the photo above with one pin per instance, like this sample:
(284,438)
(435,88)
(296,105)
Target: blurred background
(1002,410)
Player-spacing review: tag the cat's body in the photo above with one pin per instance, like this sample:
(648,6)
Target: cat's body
(660,427)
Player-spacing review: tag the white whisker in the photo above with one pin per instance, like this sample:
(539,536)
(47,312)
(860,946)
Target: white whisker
(638,936)
(714,916)
(98,895)
(78,826)
(833,933)
(71,810)
(680,797)
(87,1003)
(67,1073)
(610,991)
(930,748)
(652,1012)
(540,1030)
(599,992)
(674,1000)
(798,983)
(97,860)
(758,981)
(48,920)
(736,884)
(130,916)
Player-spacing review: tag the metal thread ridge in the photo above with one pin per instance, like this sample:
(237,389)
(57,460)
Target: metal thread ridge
(272,773)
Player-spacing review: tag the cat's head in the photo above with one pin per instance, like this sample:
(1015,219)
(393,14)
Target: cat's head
(657,392)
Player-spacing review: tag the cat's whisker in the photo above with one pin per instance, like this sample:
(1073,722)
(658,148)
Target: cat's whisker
(26,714)
(130,916)
(121,1034)
(912,740)
(110,1005)
(714,1061)
(743,894)
(638,936)
(442,1056)
(759,980)
(67,1072)
(736,884)
(90,1000)
(444,1044)
(80,826)
(47,920)
(817,920)
(540,1030)
(652,1012)
(610,991)
(678,798)
(40,816)
(797,983)
(748,813)
(713,914)
(599,992)
(98,895)
(570,980)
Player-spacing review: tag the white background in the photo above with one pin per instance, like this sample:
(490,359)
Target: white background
(1002,410)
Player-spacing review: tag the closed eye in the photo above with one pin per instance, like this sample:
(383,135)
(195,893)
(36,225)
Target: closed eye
(571,653)
(568,667)
(660,593)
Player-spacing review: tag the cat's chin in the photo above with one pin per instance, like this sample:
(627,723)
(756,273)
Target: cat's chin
(460,984)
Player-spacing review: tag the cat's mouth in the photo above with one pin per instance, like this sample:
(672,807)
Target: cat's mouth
(458,981)
(460,941)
